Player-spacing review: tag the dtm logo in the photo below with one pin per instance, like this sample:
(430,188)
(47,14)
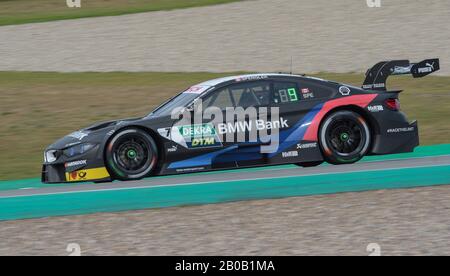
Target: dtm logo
(197,136)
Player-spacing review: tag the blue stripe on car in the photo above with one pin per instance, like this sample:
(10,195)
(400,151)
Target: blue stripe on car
(288,138)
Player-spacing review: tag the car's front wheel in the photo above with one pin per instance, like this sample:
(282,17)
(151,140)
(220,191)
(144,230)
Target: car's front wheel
(131,154)
(344,137)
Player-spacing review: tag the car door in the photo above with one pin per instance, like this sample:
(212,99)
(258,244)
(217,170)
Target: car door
(214,109)
(252,107)
(239,104)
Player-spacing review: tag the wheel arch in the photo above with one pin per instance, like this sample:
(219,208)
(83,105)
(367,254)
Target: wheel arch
(374,127)
(152,133)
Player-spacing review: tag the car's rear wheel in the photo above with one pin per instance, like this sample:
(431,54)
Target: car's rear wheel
(344,137)
(131,154)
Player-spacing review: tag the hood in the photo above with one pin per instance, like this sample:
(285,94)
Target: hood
(92,134)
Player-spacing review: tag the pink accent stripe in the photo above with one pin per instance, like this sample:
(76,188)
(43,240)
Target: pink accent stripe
(358,100)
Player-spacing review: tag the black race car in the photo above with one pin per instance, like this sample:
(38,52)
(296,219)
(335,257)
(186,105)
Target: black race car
(317,121)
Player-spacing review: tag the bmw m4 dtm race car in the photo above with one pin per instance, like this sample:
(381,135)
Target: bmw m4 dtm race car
(287,119)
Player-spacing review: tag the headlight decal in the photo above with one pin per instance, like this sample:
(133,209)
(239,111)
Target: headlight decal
(78,149)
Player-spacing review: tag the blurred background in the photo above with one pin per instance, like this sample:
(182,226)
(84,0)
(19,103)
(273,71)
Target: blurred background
(64,68)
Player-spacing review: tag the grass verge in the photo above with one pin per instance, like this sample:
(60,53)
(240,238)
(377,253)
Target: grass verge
(37,108)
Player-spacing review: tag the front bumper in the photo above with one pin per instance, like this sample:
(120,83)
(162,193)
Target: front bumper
(52,174)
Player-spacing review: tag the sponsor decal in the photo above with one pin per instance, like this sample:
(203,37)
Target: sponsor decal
(198,89)
(428,69)
(247,78)
(401,70)
(307,146)
(376,85)
(204,142)
(80,135)
(344,90)
(88,174)
(249,126)
(76,163)
(289,154)
(77,176)
(196,169)
(196,136)
(197,130)
(425,70)
(375,108)
(379,85)
(174,148)
(307,93)
(400,129)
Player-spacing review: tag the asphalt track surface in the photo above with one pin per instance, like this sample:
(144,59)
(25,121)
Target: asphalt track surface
(413,221)
(237,175)
(402,222)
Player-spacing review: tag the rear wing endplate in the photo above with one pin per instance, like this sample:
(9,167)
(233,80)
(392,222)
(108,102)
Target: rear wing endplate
(377,76)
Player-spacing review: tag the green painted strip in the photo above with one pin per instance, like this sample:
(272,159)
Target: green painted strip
(424,151)
(169,196)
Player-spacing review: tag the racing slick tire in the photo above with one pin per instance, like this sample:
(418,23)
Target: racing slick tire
(131,154)
(345,137)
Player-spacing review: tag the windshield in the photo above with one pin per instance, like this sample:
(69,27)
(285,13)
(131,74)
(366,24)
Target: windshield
(181,100)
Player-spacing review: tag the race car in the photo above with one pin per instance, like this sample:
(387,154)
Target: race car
(305,120)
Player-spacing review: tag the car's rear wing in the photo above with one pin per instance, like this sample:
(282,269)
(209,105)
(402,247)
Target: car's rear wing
(376,77)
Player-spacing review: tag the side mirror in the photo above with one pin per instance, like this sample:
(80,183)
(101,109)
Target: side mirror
(191,107)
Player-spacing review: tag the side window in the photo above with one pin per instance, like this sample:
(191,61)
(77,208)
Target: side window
(221,99)
(285,92)
(240,95)
(251,94)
